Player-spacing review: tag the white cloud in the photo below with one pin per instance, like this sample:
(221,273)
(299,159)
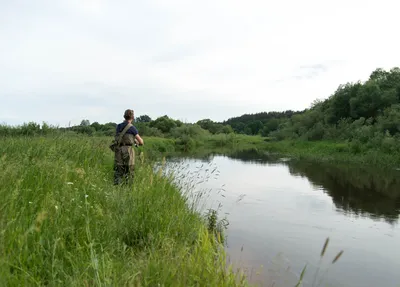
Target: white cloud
(190,60)
(90,7)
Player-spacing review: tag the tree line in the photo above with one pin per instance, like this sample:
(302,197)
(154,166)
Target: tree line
(360,112)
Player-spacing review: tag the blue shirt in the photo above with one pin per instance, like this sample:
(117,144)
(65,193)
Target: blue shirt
(132,130)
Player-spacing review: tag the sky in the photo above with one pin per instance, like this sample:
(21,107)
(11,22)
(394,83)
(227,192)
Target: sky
(62,61)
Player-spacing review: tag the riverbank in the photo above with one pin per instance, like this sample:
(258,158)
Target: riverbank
(383,152)
(62,221)
(321,151)
(334,152)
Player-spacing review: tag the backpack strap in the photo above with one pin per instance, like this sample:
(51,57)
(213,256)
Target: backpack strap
(123,132)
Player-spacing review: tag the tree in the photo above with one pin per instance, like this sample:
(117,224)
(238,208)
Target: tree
(368,101)
(164,124)
(255,127)
(227,129)
(96,126)
(206,124)
(340,102)
(143,119)
(390,120)
(85,123)
(378,75)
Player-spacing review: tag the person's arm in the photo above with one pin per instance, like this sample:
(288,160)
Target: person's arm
(139,140)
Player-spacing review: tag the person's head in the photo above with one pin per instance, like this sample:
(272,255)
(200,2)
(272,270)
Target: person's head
(129,115)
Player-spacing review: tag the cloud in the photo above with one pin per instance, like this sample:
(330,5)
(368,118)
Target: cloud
(90,7)
(312,71)
(66,60)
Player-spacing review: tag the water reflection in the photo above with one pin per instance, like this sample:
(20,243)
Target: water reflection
(354,190)
(360,191)
(290,207)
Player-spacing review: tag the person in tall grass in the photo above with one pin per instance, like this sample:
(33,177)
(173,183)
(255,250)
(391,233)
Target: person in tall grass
(124,161)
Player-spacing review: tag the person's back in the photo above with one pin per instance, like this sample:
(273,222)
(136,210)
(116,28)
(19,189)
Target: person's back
(124,162)
(128,139)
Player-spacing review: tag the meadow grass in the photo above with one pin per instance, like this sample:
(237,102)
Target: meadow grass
(63,223)
(333,152)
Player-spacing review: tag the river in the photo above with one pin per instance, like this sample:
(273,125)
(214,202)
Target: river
(281,211)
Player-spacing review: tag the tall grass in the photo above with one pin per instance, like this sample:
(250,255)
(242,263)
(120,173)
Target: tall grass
(359,147)
(63,223)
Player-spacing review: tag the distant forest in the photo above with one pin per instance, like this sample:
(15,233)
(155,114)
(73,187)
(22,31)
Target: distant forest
(363,111)
(373,106)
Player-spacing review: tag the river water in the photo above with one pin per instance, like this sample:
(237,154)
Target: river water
(280,213)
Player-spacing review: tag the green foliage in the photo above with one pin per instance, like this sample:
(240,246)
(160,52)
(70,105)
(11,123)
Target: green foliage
(364,115)
(164,124)
(382,150)
(85,123)
(227,129)
(206,124)
(215,226)
(187,135)
(28,129)
(64,223)
(214,128)
(147,131)
(96,126)
(390,120)
(143,119)
(359,112)
(253,124)
(192,130)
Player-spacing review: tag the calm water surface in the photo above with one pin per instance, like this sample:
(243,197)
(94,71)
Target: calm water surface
(280,213)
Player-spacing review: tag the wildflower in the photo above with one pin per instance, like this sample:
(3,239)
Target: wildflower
(69,183)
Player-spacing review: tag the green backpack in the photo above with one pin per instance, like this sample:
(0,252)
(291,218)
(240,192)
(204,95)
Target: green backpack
(115,142)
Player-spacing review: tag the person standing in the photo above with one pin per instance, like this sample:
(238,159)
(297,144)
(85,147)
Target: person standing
(124,160)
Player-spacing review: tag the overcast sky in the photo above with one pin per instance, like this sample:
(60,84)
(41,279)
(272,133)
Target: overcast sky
(65,60)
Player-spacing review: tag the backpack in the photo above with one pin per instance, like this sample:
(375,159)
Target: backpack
(115,142)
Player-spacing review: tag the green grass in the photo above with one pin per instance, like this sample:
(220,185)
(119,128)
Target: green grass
(322,151)
(63,223)
(333,152)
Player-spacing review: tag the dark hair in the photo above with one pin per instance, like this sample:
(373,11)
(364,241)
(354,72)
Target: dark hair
(128,115)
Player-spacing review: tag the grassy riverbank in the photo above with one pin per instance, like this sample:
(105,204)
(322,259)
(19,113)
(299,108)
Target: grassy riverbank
(63,223)
(386,155)
(380,149)
(334,152)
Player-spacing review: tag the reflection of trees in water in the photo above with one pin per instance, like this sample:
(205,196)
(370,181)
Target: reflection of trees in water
(359,191)
(252,156)
(205,158)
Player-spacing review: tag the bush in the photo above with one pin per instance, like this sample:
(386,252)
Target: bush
(389,144)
